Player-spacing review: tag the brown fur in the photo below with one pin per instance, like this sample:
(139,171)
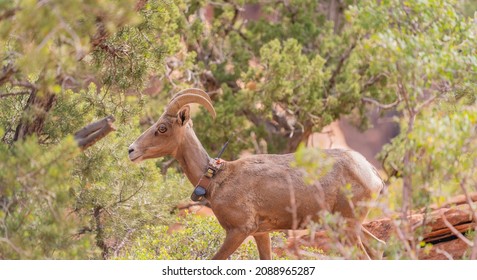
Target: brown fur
(253,195)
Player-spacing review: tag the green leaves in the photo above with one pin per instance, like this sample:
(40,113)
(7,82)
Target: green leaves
(443,144)
(189,238)
(34,187)
(415,46)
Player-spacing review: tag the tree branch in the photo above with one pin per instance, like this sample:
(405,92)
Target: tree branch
(442,91)
(9,243)
(380,105)
(93,132)
(165,165)
(233,21)
(8,13)
(100,232)
(24,84)
(122,200)
(7,72)
(82,231)
(372,81)
(341,62)
(123,242)
(3,95)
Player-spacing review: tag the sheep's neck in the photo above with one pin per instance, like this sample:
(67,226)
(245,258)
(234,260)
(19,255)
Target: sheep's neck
(192,156)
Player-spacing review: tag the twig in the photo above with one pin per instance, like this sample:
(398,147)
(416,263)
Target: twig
(48,37)
(445,253)
(15,248)
(82,231)
(445,88)
(7,72)
(473,255)
(24,84)
(3,95)
(425,103)
(456,232)
(122,200)
(372,81)
(400,234)
(380,105)
(165,165)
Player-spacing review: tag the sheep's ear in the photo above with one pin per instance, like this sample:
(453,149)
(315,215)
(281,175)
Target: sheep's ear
(183,115)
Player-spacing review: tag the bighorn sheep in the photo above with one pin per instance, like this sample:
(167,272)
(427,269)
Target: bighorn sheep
(251,196)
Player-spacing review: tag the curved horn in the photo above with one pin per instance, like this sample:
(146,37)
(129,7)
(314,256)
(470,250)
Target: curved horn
(179,101)
(192,90)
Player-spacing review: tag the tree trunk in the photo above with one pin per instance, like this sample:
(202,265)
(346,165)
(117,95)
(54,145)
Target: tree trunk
(298,138)
(335,14)
(100,232)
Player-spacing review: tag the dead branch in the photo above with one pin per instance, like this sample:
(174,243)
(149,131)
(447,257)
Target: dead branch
(341,62)
(124,241)
(165,165)
(93,132)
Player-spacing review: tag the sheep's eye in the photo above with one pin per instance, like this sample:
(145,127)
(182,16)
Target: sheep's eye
(162,128)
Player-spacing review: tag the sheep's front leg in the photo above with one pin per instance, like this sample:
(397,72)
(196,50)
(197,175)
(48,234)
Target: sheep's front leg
(263,245)
(233,240)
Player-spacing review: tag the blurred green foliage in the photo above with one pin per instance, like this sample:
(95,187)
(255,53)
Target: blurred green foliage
(199,239)
(444,144)
(274,78)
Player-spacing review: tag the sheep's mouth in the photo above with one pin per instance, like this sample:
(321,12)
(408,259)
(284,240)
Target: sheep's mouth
(136,159)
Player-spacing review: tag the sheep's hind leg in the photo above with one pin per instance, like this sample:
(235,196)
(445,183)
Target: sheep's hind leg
(263,245)
(233,240)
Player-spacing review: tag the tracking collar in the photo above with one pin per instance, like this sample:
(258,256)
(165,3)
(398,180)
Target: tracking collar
(213,168)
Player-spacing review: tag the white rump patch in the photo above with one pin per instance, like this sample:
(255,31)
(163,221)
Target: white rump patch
(367,172)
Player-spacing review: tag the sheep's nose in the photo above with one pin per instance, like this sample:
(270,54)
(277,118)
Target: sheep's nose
(130,150)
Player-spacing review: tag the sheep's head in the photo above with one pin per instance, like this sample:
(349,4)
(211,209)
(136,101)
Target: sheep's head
(164,137)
